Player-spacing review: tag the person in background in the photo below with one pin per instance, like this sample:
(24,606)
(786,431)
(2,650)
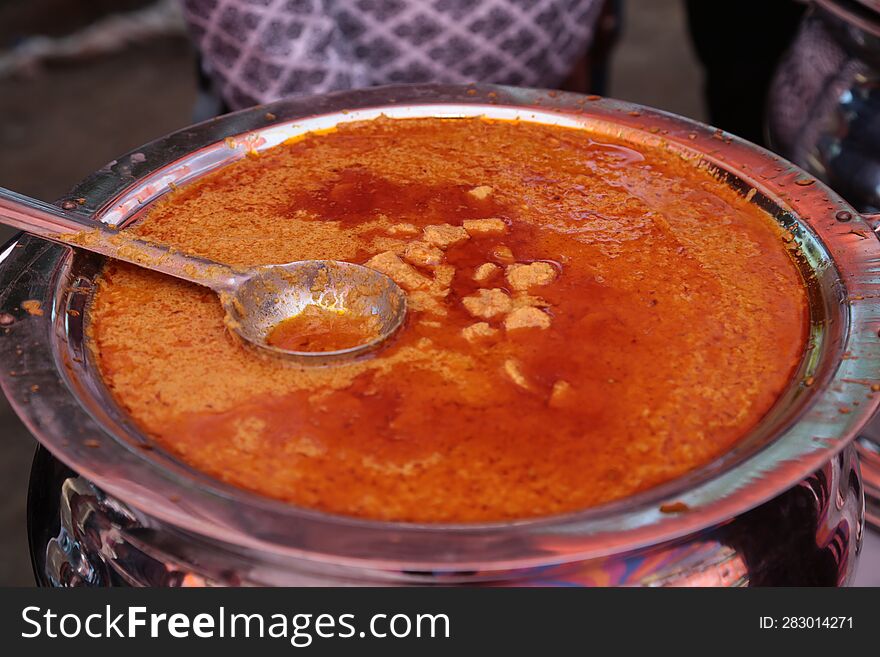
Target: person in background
(739,49)
(257,51)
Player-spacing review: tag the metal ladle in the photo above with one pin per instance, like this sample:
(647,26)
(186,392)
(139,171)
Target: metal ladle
(256,300)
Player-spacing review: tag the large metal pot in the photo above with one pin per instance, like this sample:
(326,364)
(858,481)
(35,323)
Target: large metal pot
(784,506)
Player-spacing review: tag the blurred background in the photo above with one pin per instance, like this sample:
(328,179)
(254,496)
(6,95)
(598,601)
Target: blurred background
(83,81)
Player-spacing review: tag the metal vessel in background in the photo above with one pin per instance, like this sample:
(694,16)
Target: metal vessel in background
(824,115)
(784,506)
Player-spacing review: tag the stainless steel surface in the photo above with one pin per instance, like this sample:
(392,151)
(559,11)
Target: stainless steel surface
(868,571)
(809,535)
(83,232)
(58,393)
(861,14)
(837,137)
(868,442)
(873,5)
(256,300)
(269,295)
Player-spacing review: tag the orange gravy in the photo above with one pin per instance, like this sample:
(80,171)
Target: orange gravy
(587,319)
(319,329)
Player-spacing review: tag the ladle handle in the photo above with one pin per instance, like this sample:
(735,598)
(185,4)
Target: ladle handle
(49,222)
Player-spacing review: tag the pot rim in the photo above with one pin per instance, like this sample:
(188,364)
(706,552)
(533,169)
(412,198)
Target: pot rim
(48,390)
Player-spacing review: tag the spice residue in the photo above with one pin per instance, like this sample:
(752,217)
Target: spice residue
(32,307)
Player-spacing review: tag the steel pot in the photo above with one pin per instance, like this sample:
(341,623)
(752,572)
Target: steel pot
(784,506)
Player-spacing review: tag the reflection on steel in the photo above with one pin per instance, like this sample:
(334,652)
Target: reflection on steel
(809,535)
(234,536)
(832,76)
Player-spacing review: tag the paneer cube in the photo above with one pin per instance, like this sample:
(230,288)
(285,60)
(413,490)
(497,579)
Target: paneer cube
(422,254)
(525,318)
(403,229)
(486,271)
(503,254)
(478,331)
(487,304)
(522,276)
(444,235)
(401,273)
(481,227)
(481,192)
(443,276)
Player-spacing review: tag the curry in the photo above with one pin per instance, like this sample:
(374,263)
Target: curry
(587,319)
(320,329)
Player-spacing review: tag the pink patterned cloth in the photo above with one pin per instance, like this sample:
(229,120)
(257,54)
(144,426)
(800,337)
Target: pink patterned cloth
(806,89)
(261,50)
